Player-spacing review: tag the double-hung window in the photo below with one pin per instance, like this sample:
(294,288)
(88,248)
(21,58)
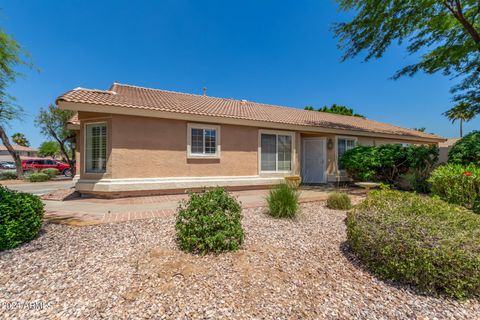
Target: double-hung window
(344,144)
(96,148)
(203,141)
(276,152)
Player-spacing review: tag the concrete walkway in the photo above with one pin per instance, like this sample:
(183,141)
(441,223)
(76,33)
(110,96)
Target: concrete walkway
(88,211)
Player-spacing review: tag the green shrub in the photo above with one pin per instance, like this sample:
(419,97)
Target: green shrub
(50,172)
(38,177)
(418,240)
(467,150)
(20,217)
(8,175)
(283,201)
(209,222)
(339,201)
(457,184)
(390,162)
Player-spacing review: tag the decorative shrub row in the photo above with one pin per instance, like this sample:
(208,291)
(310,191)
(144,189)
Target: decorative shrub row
(38,177)
(8,175)
(339,201)
(282,201)
(466,151)
(418,240)
(209,222)
(21,217)
(390,163)
(457,184)
(50,172)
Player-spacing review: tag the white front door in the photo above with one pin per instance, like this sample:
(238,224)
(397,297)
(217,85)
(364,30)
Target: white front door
(314,160)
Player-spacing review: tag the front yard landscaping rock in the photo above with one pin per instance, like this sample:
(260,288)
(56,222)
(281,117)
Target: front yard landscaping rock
(296,268)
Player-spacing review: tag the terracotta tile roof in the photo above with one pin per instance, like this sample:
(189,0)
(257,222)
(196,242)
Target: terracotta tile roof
(74,120)
(17,147)
(128,96)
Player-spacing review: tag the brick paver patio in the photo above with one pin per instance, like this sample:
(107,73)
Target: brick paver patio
(89,211)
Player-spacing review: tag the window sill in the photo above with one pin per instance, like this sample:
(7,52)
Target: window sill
(191,156)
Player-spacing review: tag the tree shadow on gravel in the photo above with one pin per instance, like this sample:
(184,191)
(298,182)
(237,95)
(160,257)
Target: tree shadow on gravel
(350,255)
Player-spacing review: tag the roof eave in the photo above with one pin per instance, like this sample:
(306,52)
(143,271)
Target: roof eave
(105,108)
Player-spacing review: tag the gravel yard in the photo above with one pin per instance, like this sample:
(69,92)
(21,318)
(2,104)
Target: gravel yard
(286,269)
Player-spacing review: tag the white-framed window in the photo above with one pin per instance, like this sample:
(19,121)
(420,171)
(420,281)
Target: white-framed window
(96,147)
(344,144)
(203,141)
(276,151)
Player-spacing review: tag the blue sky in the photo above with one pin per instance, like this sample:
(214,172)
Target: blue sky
(266,51)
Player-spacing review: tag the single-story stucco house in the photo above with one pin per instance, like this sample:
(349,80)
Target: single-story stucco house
(133,140)
(22,151)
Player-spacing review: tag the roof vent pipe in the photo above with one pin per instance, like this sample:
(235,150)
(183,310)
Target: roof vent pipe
(204,91)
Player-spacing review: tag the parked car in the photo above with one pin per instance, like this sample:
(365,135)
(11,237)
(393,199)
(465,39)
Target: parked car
(40,164)
(7,165)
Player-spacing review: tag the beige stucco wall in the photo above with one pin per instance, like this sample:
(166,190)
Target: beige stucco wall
(152,147)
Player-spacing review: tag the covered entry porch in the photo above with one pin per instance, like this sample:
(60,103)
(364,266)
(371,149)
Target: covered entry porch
(319,155)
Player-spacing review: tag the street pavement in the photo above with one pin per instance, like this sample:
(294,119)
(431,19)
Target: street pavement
(38,188)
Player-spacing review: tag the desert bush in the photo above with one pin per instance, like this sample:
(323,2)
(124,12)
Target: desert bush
(388,163)
(418,240)
(21,217)
(38,177)
(50,172)
(458,184)
(282,201)
(467,150)
(8,175)
(339,201)
(209,222)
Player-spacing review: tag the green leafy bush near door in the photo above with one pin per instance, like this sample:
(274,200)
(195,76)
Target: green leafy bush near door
(418,240)
(392,164)
(457,184)
(21,217)
(209,222)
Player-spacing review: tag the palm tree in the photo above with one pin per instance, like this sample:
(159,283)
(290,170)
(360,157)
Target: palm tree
(463,112)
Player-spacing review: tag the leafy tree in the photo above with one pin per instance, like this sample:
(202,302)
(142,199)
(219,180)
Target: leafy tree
(422,129)
(466,151)
(20,139)
(11,55)
(49,149)
(337,109)
(53,123)
(445,34)
(463,112)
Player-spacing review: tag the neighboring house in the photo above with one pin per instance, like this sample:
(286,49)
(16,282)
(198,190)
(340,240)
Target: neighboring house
(23,152)
(444,148)
(134,140)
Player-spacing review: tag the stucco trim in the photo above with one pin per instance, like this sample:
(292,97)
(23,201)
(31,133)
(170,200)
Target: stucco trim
(151,184)
(67,105)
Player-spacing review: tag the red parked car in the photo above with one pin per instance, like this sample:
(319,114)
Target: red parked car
(39,164)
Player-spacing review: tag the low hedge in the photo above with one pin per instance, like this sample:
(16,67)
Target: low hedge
(50,172)
(457,184)
(209,222)
(282,201)
(418,240)
(339,201)
(21,217)
(8,175)
(38,177)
